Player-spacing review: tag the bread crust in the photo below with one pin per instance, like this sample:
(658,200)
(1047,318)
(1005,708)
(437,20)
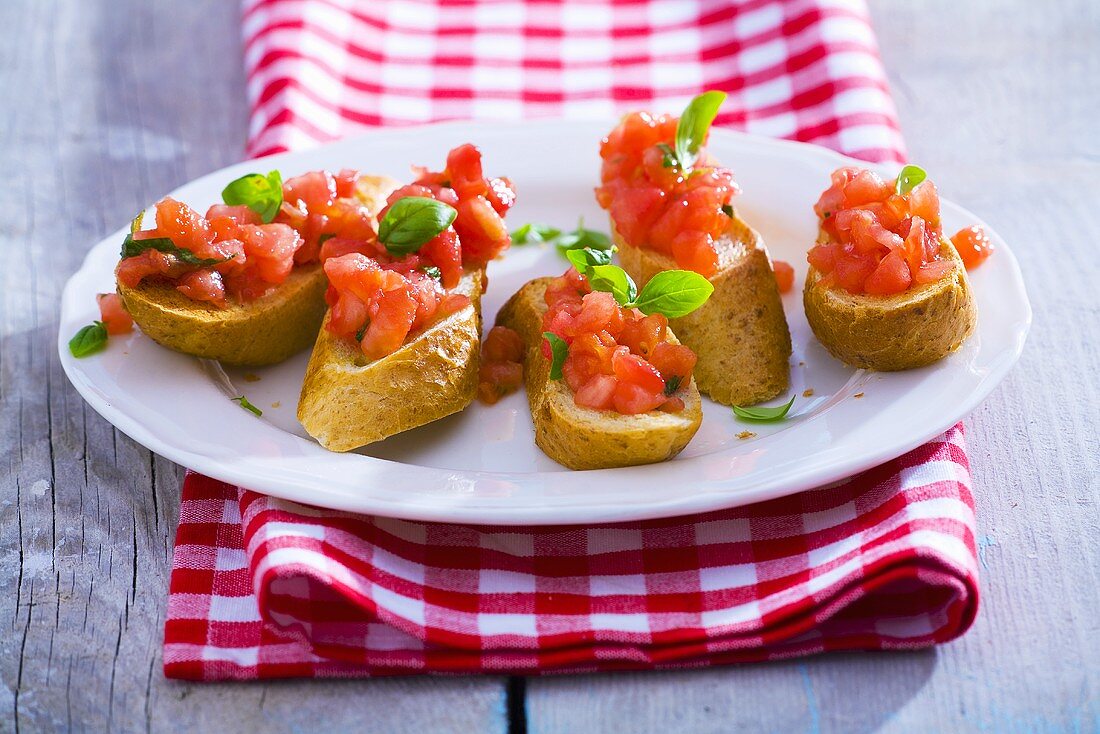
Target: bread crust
(261,332)
(740,334)
(582,438)
(347,402)
(888,333)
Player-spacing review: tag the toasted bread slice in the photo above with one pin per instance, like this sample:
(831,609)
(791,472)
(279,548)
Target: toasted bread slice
(740,335)
(886,333)
(253,334)
(582,438)
(348,402)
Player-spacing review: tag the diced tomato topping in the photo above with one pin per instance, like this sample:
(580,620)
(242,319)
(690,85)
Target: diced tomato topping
(378,305)
(874,240)
(203,285)
(239,214)
(501,370)
(973,245)
(619,359)
(784,275)
(113,314)
(653,203)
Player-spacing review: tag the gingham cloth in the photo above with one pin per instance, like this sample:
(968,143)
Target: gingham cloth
(887,560)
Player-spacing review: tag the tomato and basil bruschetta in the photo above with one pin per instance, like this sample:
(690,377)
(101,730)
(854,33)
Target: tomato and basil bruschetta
(670,207)
(242,282)
(885,289)
(608,383)
(399,344)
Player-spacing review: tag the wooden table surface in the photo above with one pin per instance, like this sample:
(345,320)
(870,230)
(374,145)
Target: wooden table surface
(110,103)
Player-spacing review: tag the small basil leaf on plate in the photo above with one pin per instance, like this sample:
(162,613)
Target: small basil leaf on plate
(262,194)
(89,340)
(909,178)
(534,232)
(674,293)
(694,125)
(586,257)
(581,238)
(412,221)
(763,414)
(244,403)
(613,280)
(560,350)
(672,385)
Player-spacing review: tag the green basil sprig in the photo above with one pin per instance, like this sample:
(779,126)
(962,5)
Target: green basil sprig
(581,238)
(412,221)
(132,247)
(763,414)
(89,340)
(585,257)
(672,385)
(534,232)
(244,403)
(675,293)
(613,280)
(262,194)
(560,349)
(694,124)
(909,178)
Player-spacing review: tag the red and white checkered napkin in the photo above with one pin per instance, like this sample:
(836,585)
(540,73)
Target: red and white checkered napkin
(266,588)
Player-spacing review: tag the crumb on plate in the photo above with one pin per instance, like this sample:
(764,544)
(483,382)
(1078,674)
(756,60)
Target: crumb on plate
(250,377)
(858,395)
(276,404)
(808,392)
(746,435)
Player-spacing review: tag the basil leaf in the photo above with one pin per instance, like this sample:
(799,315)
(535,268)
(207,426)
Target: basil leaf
(243,402)
(361,332)
(727,209)
(135,223)
(89,340)
(132,247)
(560,349)
(535,233)
(672,385)
(613,280)
(668,156)
(909,178)
(674,293)
(581,238)
(763,414)
(694,124)
(433,272)
(412,221)
(324,237)
(262,194)
(586,257)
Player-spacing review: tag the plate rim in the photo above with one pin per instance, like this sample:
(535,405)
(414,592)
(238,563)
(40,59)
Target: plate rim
(478,511)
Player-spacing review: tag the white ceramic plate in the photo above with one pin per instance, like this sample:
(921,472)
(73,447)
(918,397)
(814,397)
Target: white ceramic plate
(482,465)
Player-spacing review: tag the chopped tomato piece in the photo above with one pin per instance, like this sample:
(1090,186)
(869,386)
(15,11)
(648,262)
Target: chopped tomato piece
(784,275)
(501,370)
(619,359)
(653,203)
(973,245)
(873,239)
(113,314)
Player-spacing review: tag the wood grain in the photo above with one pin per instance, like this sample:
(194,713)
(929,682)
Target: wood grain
(107,106)
(1000,101)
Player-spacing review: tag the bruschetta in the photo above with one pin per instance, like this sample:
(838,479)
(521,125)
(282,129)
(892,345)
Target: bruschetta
(242,284)
(670,207)
(399,345)
(885,289)
(608,385)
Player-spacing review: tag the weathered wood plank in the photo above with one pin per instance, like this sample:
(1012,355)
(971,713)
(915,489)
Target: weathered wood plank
(108,105)
(1000,100)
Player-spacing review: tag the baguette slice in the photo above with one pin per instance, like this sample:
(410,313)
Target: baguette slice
(887,333)
(262,332)
(253,334)
(348,402)
(740,335)
(582,438)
